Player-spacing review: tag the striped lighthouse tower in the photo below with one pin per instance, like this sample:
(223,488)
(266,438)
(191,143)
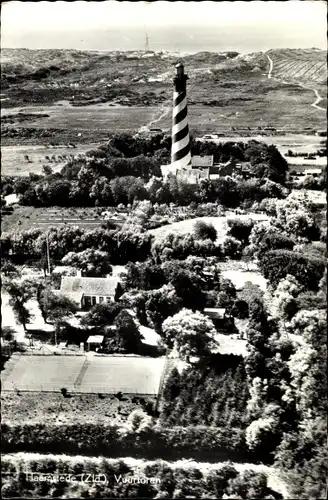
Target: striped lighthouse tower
(180,154)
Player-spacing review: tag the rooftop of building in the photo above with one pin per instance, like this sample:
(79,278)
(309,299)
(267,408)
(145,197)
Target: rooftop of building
(202,161)
(89,286)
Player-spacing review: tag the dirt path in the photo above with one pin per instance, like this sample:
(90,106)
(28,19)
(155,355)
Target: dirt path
(318,97)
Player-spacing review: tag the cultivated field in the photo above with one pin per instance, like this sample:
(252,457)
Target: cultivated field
(84,374)
(301,65)
(29,217)
(220,224)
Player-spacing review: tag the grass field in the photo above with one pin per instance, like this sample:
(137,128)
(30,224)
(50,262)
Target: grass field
(86,374)
(93,117)
(220,224)
(13,162)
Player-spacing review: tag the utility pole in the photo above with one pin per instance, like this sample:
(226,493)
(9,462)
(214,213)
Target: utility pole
(48,254)
(147,43)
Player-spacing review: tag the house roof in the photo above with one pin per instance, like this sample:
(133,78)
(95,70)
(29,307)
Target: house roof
(202,161)
(89,286)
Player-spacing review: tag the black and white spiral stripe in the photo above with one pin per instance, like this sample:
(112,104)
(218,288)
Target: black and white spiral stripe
(180,156)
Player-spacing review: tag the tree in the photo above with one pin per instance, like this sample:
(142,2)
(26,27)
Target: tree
(284,299)
(249,484)
(303,453)
(232,247)
(138,421)
(9,270)
(101,192)
(47,170)
(125,338)
(55,308)
(277,264)
(205,231)
(20,293)
(249,292)
(102,314)
(190,333)
(144,277)
(295,219)
(172,386)
(219,479)
(160,304)
(91,262)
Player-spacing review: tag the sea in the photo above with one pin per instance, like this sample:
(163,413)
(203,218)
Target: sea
(184,40)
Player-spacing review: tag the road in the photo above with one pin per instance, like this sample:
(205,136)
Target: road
(317,95)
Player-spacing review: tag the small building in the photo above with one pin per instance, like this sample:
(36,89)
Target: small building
(94,342)
(215,312)
(87,292)
(199,161)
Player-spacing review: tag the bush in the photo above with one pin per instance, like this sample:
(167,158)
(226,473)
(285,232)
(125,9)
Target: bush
(232,247)
(240,229)
(205,231)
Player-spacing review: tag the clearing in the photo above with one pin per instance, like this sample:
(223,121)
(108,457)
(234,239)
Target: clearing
(220,224)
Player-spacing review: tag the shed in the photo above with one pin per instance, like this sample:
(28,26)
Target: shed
(94,341)
(215,312)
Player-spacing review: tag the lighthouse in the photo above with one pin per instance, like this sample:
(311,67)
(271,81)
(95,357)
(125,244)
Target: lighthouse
(180,153)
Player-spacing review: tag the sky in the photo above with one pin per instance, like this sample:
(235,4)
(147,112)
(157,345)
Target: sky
(191,27)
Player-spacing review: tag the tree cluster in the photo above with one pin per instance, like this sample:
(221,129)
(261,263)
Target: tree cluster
(121,246)
(213,393)
(168,482)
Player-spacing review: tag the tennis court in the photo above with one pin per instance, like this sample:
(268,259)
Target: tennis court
(85,374)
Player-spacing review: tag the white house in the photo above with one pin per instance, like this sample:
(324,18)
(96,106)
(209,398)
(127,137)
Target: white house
(87,292)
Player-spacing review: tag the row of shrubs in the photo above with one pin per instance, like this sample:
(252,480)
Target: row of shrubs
(151,441)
